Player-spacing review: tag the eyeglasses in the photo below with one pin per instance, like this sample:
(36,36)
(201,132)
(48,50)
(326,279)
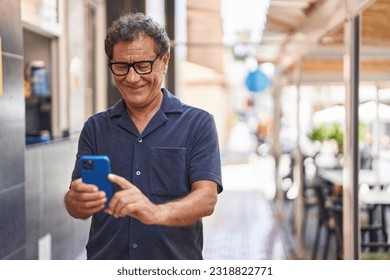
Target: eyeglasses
(140,67)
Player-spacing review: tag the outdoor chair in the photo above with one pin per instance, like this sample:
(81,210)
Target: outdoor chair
(370,250)
(325,220)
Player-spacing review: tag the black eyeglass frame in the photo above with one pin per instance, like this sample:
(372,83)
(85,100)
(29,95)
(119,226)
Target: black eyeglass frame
(133,65)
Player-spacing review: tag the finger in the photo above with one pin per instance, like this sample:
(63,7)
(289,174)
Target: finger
(123,210)
(94,204)
(113,203)
(92,211)
(85,196)
(78,186)
(124,206)
(119,200)
(120,181)
(87,204)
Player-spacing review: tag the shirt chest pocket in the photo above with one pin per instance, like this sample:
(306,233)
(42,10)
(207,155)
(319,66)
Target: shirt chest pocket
(169,172)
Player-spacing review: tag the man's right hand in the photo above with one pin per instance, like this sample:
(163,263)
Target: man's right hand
(84,200)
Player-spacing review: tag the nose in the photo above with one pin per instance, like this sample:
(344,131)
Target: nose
(132,75)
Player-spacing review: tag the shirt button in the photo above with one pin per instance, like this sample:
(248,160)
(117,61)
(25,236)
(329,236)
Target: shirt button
(135,245)
(140,140)
(138,173)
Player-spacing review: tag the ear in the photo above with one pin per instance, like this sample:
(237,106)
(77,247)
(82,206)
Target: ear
(165,60)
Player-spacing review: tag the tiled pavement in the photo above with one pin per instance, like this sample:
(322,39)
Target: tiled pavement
(244,225)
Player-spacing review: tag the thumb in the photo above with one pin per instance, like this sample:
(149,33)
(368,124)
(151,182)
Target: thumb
(120,181)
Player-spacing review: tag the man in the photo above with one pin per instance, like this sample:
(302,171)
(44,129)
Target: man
(164,155)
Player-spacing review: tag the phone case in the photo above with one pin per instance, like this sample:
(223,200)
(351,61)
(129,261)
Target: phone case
(94,170)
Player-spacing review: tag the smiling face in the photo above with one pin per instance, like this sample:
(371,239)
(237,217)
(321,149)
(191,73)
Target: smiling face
(140,92)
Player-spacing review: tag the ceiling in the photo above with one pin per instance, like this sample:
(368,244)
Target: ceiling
(312,30)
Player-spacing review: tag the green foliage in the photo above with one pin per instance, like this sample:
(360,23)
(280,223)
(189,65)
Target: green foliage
(333,131)
(363,127)
(326,132)
(375,256)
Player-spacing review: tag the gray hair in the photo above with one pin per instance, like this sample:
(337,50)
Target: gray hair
(129,27)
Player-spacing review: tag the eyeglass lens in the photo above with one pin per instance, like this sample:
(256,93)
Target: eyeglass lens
(141,67)
(122,68)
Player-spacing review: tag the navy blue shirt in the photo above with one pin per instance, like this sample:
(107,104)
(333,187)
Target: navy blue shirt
(178,147)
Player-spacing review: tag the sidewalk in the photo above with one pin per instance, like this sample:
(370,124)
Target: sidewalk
(243,225)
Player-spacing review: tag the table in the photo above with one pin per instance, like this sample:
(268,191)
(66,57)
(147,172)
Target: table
(370,177)
(376,195)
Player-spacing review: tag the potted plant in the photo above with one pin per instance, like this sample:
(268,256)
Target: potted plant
(328,132)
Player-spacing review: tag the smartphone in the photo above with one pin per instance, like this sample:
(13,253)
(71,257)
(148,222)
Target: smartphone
(94,170)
